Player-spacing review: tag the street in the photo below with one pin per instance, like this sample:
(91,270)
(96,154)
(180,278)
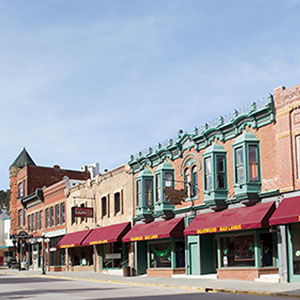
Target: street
(28,287)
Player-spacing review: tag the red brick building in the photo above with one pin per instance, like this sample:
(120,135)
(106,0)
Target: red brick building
(37,208)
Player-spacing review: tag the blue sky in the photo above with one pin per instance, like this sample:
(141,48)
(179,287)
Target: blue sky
(95,81)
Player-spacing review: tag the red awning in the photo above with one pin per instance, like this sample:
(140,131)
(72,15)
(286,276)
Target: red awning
(73,239)
(107,234)
(156,230)
(232,219)
(288,211)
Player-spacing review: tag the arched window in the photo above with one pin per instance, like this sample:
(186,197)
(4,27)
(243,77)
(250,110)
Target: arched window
(194,181)
(187,181)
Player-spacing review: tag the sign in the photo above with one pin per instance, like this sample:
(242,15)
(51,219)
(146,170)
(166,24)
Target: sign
(219,229)
(113,256)
(144,238)
(174,196)
(82,212)
(21,235)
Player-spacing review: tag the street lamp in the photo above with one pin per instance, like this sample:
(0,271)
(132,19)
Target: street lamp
(43,240)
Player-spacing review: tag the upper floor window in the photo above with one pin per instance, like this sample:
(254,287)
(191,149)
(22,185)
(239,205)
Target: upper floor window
(148,192)
(190,166)
(246,159)
(220,160)
(117,203)
(158,187)
(215,175)
(194,181)
(51,216)
(138,193)
(20,214)
(253,162)
(104,206)
(47,217)
(41,220)
(187,181)
(62,213)
(144,192)
(56,214)
(37,221)
(28,223)
(20,189)
(239,165)
(24,217)
(207,174)
(32,222)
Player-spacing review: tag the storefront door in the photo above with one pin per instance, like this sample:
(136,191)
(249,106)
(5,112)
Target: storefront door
(208,254)
(194,259)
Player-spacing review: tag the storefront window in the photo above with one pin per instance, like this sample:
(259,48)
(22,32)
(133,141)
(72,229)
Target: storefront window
(112,255)
(160,255)
(237,251)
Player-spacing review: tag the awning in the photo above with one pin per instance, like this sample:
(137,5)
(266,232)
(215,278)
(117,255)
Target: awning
(73,239)
(288,211)
(107,234)
(156,230)
(232,219)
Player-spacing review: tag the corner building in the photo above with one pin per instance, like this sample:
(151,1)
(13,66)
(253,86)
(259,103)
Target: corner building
(38,215)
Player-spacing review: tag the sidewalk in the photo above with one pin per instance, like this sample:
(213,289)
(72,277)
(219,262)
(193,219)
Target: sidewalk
(188,283)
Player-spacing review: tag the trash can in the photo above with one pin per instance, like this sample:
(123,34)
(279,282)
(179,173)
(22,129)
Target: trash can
(126,271)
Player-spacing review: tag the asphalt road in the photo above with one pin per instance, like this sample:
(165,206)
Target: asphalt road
(28,287)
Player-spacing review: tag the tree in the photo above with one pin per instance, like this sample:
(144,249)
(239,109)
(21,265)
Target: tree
(4,199)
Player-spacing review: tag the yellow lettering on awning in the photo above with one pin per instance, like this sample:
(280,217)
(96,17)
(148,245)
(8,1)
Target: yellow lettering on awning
(68,246)
(207,230)
(151,237)
(98,242)
(138,238)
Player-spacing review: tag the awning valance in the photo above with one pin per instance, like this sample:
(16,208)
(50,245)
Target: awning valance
(156,230)
(232,219)
(73,239)
(107,234)
(288,211)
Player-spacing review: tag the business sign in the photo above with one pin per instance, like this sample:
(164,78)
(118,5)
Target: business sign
(113,256)
(83,212)
(174,196)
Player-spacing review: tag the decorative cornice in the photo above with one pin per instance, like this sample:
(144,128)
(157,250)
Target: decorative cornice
(201,138)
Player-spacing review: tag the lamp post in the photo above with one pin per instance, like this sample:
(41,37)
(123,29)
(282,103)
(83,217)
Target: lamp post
(43,240)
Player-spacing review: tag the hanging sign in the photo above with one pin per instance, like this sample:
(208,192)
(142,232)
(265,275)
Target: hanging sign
(174,196)
(83,212)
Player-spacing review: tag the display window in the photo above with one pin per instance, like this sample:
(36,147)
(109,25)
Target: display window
(237,251)
(112,255)
(160,255)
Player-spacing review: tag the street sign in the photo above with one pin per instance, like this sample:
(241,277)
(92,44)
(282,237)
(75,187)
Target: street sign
(83,212)
(174,196)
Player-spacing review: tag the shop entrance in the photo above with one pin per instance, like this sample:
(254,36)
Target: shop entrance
(208,254)
(141,257)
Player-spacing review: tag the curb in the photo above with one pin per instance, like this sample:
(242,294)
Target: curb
(182,287)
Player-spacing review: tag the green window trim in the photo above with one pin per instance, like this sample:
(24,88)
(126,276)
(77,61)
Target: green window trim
(246,158)
(215,185)
(164,177)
